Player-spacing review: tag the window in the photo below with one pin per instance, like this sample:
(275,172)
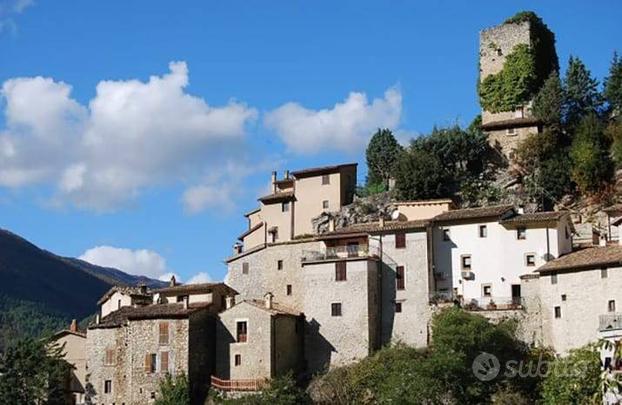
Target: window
(341,271)
(289,289)
(486,290)
(107,386)
(530,259)
(483,231)
(275,234)
(119,304)
(245,268)
(163,333)
(499,52)
(564,297)
(603,272)
(150,363)
(466,262)
(181,298)
(164,362)
(446,236)
(398,307)
(109,357)
(325,204)
(279,264)
(554,278)
(558,312)
(611,306)
(284,206)
(237,360)
(325,179)
(521,233)
(400,240)
(399,277)
(335,309)
(242,332)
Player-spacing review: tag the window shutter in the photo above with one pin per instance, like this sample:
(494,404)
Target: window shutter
(164,333)
(148,363)
(164,362)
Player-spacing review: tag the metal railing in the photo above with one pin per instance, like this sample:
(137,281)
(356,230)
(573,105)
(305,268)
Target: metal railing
(339,252)
(238,385)
(610,321)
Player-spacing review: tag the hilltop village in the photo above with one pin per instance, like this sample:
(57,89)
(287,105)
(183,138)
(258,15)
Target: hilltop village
(302,300)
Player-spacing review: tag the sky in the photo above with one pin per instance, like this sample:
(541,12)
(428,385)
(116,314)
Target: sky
(135,134)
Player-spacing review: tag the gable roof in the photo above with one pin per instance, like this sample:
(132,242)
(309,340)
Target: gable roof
(65,332)
(200,288)
(139,292)
(374,227)
(585,259)
(546,216)
(277,309)
(316,171)
(154,311)
(497,211)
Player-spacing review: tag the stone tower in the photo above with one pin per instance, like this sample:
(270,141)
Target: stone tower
(506,112)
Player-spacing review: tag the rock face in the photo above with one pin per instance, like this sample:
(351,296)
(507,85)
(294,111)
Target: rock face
(362,210)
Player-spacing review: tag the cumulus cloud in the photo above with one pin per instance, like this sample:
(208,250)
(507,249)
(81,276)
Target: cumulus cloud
(200,278)
(131,135)
(141,262)
(345,127)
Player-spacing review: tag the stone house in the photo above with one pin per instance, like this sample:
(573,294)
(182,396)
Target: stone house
(123,296)
(74,342)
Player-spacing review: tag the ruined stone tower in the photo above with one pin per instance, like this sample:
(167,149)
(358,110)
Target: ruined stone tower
(515,58)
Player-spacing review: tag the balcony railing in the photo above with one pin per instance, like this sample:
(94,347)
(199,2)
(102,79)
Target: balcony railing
(494,303)
(238,385)
(339,252)
(610,321)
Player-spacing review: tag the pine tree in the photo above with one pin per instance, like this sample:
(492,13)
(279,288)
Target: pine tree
(613,85)
(591,164)
(547,105)
(581,96)
(382,154)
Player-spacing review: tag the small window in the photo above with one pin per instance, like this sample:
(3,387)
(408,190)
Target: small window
(109,357)
(558,312)
(325,204)
(289,289)
(521,233)
(163,333)
(238,360)
(400,240)
(446,235)
(119,304)
(241,332)
(245,268)
(398,307)
(399,277)
(335,309)
(275,235)
(107,386)
(341,271)
(564,297)
(150,363)
(164,362)
(499,52)
(554,278)
(487,290)
(483,231)
(603,272)
(466,262)
(611,306)
(325,179)
(530,259)
(279,264)
(285,207)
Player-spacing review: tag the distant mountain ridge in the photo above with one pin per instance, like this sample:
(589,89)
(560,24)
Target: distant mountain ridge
(35,281)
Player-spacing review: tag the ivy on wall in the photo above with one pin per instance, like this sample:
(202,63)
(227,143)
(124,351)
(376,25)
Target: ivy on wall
(525,69)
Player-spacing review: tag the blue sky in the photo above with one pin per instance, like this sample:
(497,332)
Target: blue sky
(95,155)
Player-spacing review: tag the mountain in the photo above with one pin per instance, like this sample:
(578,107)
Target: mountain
(41,292)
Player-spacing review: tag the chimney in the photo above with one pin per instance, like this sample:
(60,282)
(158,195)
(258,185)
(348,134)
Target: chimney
(381,222)
(268,300)
(186,302)
(173,282)
(74,326)
(273,179)
(331,224)
(237,248)
(97,319)
(602,241)
(229,302)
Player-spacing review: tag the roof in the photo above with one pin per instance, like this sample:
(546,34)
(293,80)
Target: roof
(585,259)
(249,213)
(535,217)
(251,230)
(195,289)
(277,309)
(374,227)
(425,202)
(277,197)
(141,292)
(64,332)
(154,311)
(246,252)
(316,171)
(511,123)
(473,213)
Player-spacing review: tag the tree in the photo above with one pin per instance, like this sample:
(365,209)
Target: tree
(382,154)
(613,85)
(419,175)
(581,96)
(574,379)
(591,164)
(33,371)
(174,390)
(547,105)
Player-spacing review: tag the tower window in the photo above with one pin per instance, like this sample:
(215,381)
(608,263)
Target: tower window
(289,289)
(325,179)
(558,312)
(483,231)
(398,307)
(335,309)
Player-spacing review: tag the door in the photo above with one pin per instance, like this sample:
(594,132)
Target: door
(516,294)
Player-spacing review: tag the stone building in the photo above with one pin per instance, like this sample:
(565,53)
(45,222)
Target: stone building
(123,296)
(74,342)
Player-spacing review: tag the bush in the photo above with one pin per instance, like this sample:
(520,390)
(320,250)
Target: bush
(281,391)
(174,390)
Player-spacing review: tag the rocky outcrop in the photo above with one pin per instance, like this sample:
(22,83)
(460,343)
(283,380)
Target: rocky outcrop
(362,210)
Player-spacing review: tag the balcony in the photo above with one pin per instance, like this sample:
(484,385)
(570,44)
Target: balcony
(238,385)
(494,304)
(610,321)
(339,252)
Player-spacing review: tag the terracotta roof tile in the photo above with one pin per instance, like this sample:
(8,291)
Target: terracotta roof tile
(195,289)
(277,197)
(535,217)
(141,292)
(154,311)
(584,259)
(314,171)
(473,213)
(374,227)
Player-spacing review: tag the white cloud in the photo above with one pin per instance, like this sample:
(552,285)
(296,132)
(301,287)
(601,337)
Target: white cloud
(199,198)
(200,278)
(346,127)
(167,277)
(130,136)
(141,262)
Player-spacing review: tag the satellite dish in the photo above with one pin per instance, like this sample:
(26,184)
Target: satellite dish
(395,215)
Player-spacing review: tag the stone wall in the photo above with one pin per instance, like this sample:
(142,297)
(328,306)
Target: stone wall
(98,340)
(507,143)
